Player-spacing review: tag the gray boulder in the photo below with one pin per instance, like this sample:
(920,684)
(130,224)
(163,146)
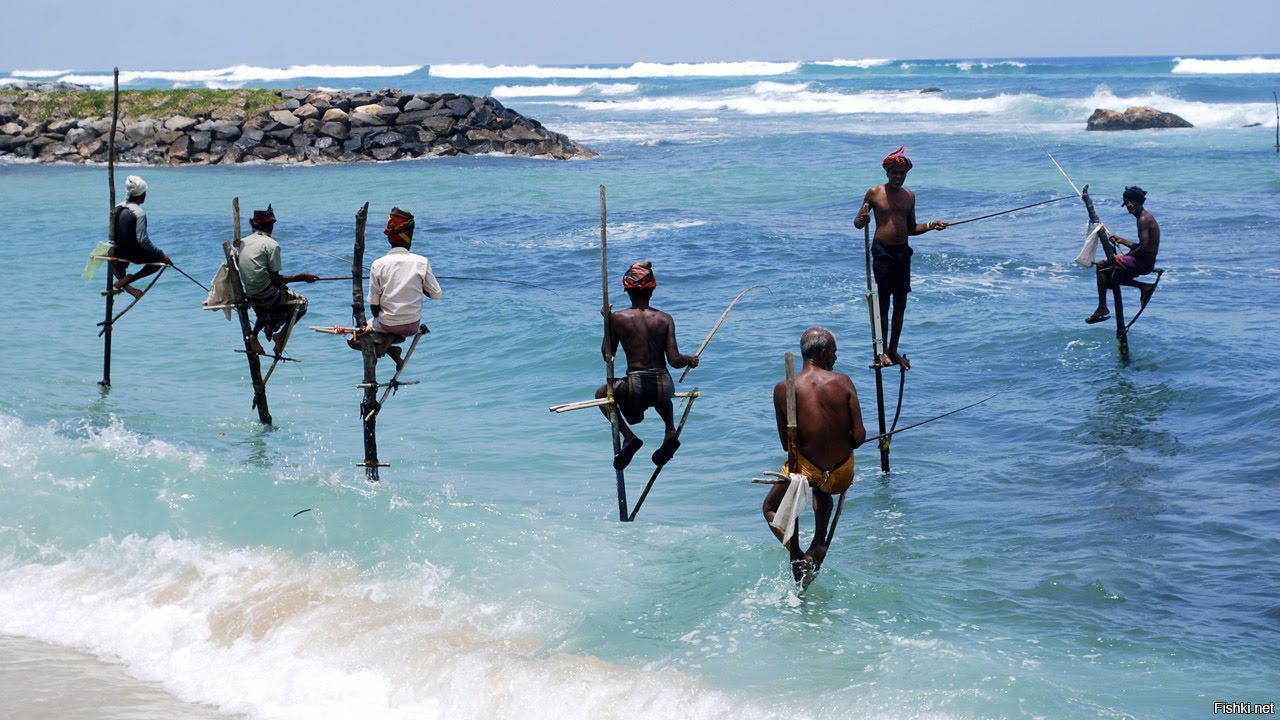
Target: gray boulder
(179,122)
(1135,118)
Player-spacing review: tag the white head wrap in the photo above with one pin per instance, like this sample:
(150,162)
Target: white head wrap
(135,186)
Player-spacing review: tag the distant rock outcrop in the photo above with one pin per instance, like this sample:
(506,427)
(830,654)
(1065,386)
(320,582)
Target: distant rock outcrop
(304,126)
(1135,118)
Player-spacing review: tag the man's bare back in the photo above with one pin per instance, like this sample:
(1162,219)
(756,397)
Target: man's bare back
(647,336)
(828,416)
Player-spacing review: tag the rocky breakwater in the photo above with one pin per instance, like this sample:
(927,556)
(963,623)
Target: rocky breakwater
(1135,118)
(286,127)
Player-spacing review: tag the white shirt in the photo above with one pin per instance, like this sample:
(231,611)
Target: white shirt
(397,282)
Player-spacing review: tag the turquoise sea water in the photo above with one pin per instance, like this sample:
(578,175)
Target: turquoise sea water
(1099,540)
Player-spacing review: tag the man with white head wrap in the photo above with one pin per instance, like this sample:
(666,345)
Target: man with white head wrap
(133,245)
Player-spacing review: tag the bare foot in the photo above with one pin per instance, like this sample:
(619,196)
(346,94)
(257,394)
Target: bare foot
(884,361)
(1146,291)
(135,292)
(256,346)
(896,359)
(1097,316)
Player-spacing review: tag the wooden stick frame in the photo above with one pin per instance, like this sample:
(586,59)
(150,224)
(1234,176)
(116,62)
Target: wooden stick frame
(369,403)
(111,227)
(231,252)
(877,336)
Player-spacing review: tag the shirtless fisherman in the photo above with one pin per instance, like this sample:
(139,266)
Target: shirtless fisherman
(1140,260)
(895,208)
(133,245)
(828,428)
(648,337)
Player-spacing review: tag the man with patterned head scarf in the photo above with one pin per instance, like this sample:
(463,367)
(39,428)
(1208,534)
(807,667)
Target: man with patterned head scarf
(397,283)
(133,245)
(895,209)
(1140,260)
(648,337)
(277,307)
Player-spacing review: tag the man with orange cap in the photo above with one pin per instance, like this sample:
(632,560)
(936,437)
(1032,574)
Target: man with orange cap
(276,306)
(397,282)
(648,337)
(895,208)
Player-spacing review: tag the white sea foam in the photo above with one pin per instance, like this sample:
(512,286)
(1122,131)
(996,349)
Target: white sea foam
(263,634)
(774,98)
(38,73)
(558,90)
(1200,114)
(1240,66)
(636,70)
(865,63)
(238,75)
(984,65)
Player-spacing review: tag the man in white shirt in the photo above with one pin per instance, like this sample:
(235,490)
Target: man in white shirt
(397,282)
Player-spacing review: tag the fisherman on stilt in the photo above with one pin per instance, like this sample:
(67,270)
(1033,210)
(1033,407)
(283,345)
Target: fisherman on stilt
(895,208)
(648,337)
(397,283)
(828,427)
(133,245)
(275,305)
(1140,260)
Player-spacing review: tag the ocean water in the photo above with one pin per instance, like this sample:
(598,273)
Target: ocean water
(1097,541)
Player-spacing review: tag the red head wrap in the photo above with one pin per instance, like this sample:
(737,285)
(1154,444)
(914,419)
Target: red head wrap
(640,276)
(263,218)
(897,158)
(399,225)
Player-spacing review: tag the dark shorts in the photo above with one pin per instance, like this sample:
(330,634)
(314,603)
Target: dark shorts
(641,390)
(1129,267)
(275,308)
(133,252)
(891,265)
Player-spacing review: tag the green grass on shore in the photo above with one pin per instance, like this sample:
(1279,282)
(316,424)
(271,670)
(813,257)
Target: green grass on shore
(155,104)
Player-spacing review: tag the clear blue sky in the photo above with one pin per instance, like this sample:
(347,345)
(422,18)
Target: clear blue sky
(154,35)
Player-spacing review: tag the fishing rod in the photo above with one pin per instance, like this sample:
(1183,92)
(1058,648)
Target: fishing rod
(458,277)
(185,275)
(714,328)
(1006,212)
(347,261)
(924,422)
(1064,174)
(1277,99)
(778,478)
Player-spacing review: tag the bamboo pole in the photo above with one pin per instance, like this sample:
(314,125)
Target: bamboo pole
(1109,247)
(369,405)
(231,252)
(714,328)
(693,395)
(607,311)
(1277,99)
(111,228)
(877,335)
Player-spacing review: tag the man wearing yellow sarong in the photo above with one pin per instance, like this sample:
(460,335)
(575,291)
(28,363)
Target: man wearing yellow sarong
(828,428)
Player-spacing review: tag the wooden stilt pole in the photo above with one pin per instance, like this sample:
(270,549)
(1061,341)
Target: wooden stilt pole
(368,405)
(111,230)
(242,312)
(877,339)
(607,311)
(1108,246)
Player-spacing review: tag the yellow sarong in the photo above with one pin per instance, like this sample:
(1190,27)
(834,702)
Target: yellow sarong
(831,482)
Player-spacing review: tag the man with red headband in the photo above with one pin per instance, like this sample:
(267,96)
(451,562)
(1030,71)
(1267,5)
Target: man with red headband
(397,282)
(648,337)
(276,306)
(1140,260)
(895,208)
